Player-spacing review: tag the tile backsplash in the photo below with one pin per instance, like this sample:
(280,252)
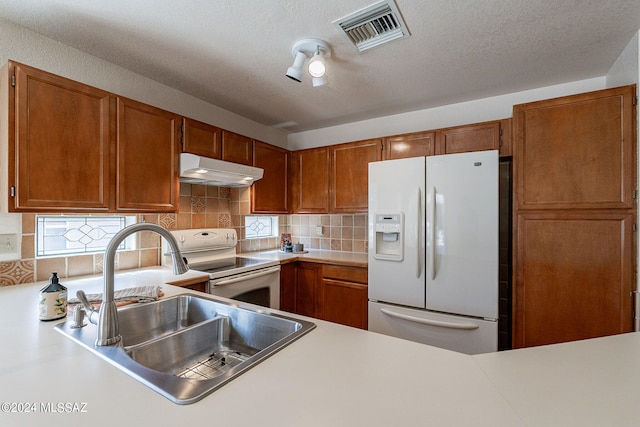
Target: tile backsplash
(200,207)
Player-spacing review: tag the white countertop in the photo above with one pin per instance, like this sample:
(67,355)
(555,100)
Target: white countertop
(333,376)
(311,255)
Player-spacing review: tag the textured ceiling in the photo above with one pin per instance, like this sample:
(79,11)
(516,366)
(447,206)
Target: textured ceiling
(234,53)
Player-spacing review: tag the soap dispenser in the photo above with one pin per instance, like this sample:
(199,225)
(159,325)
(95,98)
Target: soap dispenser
(53,299)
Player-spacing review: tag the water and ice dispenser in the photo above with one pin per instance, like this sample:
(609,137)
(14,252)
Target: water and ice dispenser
(389,228)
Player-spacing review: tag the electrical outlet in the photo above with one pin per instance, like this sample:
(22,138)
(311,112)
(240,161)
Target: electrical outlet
(318,230)
(8,243)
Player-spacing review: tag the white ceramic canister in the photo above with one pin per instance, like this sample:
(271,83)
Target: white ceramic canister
(53,300)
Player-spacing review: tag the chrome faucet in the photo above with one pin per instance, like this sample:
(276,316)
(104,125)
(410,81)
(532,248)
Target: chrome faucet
(108,329)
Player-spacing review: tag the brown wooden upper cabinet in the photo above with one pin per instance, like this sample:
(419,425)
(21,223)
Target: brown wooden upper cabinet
(237,148)
(467,138)
(349,174)
(269,194)
(310,180)
(576,151)
(81,149)
(409,145)
(201,138)
(147,158)
(59,135)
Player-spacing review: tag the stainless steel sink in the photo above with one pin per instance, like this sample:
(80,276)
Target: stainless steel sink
(187,346)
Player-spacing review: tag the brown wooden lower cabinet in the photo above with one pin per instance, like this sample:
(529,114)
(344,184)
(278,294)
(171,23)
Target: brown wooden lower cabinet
(328,292)
(574,276)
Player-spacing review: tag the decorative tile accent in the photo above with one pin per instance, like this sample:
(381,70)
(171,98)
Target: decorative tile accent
(168,221)
(224,220)
(17,272)
(224,192)
(198,205)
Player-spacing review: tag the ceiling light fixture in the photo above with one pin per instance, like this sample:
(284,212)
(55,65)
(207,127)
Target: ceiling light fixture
(317,50)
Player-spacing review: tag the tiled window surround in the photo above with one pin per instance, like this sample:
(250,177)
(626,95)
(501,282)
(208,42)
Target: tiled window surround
(200,207)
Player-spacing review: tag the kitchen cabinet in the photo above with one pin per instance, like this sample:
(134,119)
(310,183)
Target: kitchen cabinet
(236,148)
(329,292)
(269,194)
(103,152)
(307,277)
(409,145)
(58,131)
(310,180)
(147,158)
(575,172)
(201,138)
(475,137)
(342,295)
(349,174)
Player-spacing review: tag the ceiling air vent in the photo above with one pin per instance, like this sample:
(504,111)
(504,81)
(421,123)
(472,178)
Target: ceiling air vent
(374,25)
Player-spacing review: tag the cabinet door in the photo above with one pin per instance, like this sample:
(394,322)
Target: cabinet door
(349,174)
(269,194)
(147,158)
(201,138)
(574,276)
(409,145)
(237,148)
(288,287)
(59,133)
(307,275)
(576,152)
(463,139)
(310,180)
(342,296)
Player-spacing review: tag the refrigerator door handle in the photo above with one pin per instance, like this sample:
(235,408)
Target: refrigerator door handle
(467,326)
(433,233)
(419,235)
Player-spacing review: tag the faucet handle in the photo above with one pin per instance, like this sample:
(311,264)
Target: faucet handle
(87,307)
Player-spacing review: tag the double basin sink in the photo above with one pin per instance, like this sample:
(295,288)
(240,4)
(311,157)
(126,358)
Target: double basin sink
(186,346)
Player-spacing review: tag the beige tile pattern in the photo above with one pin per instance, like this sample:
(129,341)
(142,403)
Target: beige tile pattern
(199,207)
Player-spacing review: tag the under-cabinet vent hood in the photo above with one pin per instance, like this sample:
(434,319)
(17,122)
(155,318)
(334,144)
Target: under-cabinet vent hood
(373,25)
(204,170)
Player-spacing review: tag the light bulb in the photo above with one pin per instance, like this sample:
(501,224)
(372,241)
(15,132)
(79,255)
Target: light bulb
(316,66)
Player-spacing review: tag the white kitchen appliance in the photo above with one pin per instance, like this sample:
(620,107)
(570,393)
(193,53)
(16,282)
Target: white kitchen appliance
(433,250)
(244,278)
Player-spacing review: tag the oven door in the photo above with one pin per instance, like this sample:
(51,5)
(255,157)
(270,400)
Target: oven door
(260,287)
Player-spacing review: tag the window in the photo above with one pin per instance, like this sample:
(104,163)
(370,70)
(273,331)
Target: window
(69,235)
(260,226)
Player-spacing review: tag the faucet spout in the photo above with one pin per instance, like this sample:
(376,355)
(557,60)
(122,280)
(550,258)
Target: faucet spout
(108,329)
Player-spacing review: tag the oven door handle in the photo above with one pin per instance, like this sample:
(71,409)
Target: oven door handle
(248,276)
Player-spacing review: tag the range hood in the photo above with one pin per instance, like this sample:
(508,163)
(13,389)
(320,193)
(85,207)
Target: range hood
(196,169)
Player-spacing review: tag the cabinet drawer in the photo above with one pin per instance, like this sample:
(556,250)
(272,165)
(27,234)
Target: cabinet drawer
(350,274)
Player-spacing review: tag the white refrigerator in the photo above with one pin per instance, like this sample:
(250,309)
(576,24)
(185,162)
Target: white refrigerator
(433,250)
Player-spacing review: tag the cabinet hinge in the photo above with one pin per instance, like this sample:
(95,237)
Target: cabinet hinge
(634,228)
(634,194)
(382,146)
(13,191)
(634,100)
(13,81)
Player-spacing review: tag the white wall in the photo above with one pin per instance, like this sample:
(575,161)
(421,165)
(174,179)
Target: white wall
(30,48)
(480,110)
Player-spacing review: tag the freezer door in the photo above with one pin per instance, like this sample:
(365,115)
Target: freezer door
(396,192)
(461,334)
(462,234)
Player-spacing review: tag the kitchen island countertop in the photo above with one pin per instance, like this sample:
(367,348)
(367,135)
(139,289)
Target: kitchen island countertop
(333,376)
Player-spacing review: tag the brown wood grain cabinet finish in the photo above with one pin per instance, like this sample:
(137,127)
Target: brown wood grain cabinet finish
(237,148)
(147,158)
(409,145)
(288,287)
(60,135)
(342,296)
(310,180)
(270,194)
(349,174)
(576,152)
(464,139)
(201,138)
(574,244)
(307,277)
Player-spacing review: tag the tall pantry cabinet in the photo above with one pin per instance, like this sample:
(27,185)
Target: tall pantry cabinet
(575,173)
